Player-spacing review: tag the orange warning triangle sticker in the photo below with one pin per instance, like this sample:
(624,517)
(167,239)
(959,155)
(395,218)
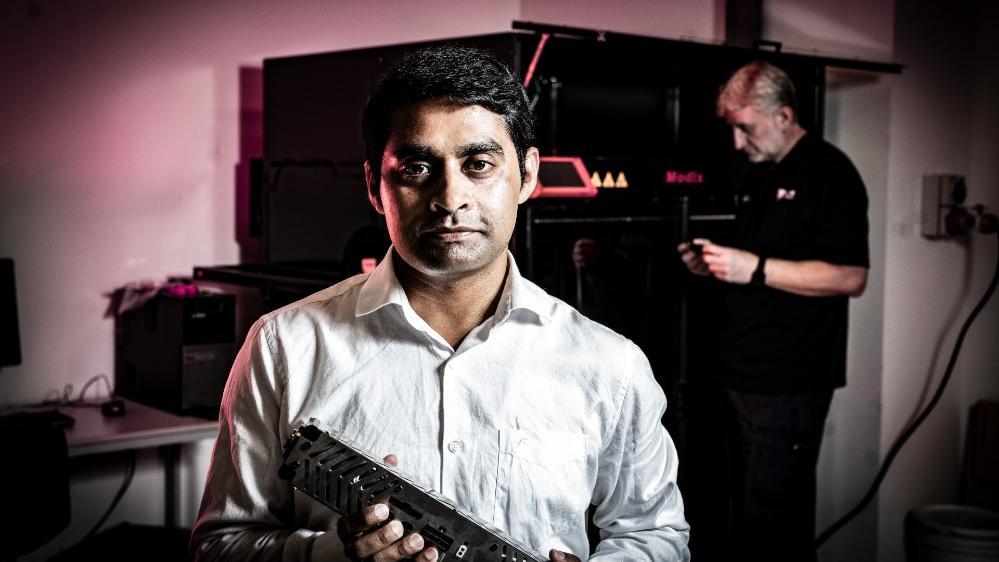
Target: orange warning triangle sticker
(608,180)
(621,180)
(595,179)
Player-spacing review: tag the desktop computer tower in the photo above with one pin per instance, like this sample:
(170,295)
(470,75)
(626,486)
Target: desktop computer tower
(175,352)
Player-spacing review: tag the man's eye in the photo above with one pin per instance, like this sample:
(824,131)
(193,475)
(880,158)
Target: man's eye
(479,166)
(414,169)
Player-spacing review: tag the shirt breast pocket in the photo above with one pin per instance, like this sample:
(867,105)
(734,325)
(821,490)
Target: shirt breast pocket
(541,483)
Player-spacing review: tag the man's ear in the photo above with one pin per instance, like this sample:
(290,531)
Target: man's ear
(786,115)
(374,188)
(530,182)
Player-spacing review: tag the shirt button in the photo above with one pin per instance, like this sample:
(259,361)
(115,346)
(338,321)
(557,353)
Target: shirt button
(454,447)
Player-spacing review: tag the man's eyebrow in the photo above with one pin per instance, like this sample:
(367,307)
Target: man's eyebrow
(481,147)
(419,151)
(408,151)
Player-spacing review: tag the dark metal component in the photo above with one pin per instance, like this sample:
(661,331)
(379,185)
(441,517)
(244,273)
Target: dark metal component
(743,22)
(361,481)
(170,454)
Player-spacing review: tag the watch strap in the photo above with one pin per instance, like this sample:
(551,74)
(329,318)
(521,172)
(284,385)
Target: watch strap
(759,277)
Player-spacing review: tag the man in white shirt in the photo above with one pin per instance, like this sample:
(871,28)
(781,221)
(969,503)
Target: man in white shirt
(474,380)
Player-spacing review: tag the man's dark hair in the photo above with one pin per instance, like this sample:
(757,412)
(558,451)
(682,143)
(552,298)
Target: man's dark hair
(455,74)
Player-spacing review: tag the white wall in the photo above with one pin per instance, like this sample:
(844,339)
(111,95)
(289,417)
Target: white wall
(943,120)
(857,122)
(120,123)
(695,20)
(846,28)
(983,176)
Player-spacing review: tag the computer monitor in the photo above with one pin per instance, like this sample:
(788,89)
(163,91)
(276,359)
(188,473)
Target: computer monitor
(10,339)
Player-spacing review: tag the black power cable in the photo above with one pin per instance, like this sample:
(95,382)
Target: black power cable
(912,427)
(125,483)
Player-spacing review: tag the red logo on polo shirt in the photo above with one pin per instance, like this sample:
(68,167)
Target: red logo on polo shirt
(785,194)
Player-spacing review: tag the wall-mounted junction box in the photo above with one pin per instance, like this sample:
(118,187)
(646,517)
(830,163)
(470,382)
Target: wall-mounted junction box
(941,192)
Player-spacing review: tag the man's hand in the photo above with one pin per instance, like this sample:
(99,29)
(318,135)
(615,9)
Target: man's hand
(727,264)
(691,257)
(367,536)
(559,556)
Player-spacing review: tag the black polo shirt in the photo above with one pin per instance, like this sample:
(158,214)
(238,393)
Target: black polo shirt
(810,206)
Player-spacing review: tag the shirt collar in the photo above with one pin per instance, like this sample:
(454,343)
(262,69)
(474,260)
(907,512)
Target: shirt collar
(382,288)
(520,294)
(799,151)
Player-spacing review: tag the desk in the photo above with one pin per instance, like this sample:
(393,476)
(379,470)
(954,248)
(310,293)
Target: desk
(141,427)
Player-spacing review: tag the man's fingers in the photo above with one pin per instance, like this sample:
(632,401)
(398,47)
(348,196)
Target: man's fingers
(361,521)
(711,259)
(428,555)
(691,258)
(716,266)
(389,545)
(694,263)
(378,540)
(391,461)
(710,249)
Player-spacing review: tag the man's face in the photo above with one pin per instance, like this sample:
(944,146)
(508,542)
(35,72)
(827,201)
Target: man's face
(450,186)
(760,135)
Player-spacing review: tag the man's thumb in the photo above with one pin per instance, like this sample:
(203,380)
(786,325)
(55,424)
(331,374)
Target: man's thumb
(559,556)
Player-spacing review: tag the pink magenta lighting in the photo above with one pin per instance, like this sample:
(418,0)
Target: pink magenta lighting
(585,190)
(535,58)
(690,177)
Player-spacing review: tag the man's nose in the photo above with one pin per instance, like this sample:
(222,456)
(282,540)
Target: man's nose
(453,192)
(739,138)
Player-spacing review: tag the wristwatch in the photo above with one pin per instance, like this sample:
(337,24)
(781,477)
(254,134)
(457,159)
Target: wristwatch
(759,277)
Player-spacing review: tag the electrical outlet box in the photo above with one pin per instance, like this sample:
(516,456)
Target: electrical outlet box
(940,193)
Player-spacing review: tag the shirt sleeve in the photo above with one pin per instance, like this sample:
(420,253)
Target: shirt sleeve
(841,219)
(639,509)
(247,512)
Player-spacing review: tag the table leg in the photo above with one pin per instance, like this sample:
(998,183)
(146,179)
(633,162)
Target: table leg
(171,456)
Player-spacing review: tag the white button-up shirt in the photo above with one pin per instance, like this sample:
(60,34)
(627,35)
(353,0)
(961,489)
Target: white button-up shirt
(538,413)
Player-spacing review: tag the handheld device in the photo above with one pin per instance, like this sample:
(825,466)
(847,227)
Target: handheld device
(343,478)
(695,247)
